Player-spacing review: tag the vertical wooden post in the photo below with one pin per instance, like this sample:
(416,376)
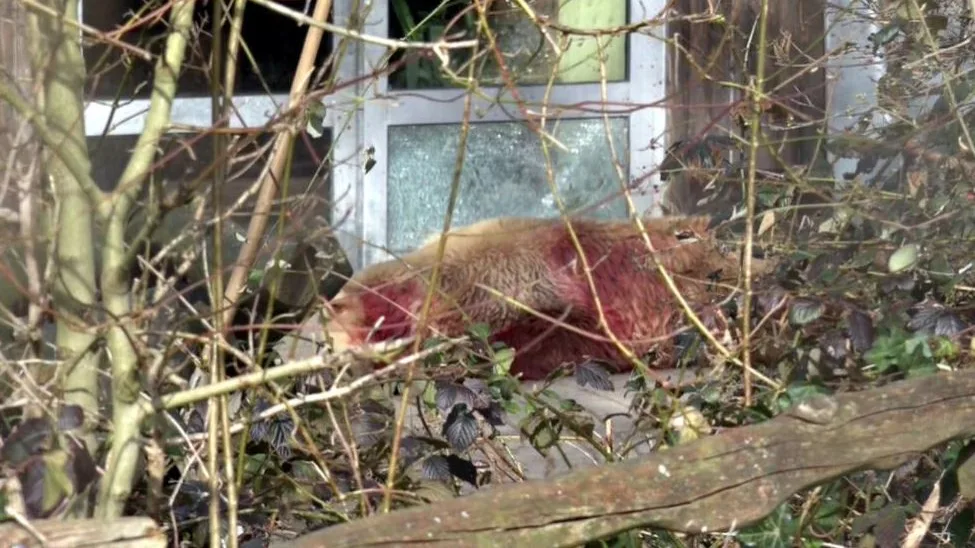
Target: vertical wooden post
(713,54)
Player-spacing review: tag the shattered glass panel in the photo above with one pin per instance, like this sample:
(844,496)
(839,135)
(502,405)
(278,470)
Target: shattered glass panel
(503,174)
(530,56)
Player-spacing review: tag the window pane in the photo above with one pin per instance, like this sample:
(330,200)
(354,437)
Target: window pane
(529,57)
(185,157)
(273,40)
(503,174)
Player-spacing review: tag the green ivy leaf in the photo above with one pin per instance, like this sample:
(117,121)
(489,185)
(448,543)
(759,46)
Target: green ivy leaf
(965,472)
(480,331)
(776,531)
(502,361)
(804,311)
(903,259)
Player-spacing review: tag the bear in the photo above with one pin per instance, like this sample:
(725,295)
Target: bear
(524,279)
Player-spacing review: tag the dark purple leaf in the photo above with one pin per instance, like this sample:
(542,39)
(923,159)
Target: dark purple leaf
(368,429)
(949,325)
(197,421)
(460,428)
(411,449)
(71,417)
(284,451)
(895,283)
(38,499)
(833,345)
(493,414)
(279,432)
(47,484)
(593,373)
(31,437)
(462,469)
(83,470)
(259,430)
(770,300)
(449,394)
(925,319)
(935,319)
(861,331)
(435,467)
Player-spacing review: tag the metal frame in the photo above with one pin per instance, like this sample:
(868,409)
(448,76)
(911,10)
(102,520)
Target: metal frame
(359,198)
(852,75)
(645,85)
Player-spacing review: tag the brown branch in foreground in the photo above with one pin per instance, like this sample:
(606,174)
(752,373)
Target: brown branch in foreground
(719,483)
(272,175)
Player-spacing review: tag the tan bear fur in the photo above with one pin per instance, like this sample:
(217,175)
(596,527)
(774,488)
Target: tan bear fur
(535,262)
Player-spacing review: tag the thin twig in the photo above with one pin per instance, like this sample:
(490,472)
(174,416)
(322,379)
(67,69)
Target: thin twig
(434,283)
(321,24)
(295,369)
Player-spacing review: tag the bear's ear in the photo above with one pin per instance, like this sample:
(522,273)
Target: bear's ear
(341,314)
(339,301)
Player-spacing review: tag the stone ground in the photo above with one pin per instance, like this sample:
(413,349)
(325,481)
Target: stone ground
(602,405)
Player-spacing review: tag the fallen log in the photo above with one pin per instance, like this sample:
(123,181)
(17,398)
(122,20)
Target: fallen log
(719,483)
(51,533)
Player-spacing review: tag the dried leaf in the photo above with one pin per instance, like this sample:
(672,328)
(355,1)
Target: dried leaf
(768,220)
(890,526)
